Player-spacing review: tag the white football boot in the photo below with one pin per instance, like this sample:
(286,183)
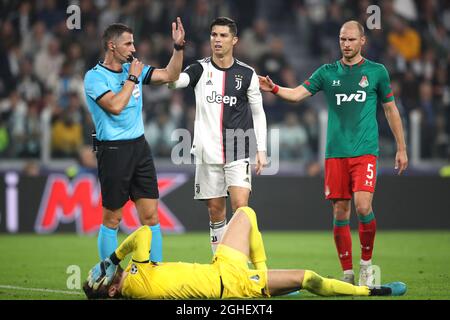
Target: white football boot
(349,278)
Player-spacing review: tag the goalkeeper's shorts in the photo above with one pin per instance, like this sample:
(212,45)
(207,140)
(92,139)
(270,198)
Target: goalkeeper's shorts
(238,280)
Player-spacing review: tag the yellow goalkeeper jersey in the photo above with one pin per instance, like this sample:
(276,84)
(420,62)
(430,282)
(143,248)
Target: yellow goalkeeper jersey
(227,277)
(171,281)
(146,280)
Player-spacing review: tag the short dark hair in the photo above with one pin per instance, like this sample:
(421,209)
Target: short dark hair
(225,21)
(102,291)
(113,31)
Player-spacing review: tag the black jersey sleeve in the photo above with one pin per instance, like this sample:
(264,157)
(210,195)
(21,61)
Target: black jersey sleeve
(194,71)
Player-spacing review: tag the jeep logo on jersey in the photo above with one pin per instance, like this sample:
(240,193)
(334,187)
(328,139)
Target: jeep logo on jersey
(359,96)
(218,98)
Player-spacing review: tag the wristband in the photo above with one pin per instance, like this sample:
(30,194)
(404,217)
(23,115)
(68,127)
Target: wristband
(133,78)
(178,47)
(114,259)
(275,89)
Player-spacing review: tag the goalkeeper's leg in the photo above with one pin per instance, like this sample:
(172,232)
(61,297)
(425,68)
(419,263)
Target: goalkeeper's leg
(257,251)
(281,282)
(331,287)
(243,235)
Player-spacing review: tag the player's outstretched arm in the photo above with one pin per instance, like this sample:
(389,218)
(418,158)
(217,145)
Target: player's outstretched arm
(289,94)
(173,69)
(102,273)
(189,77)
(395,123)
(259,122)
(138,243)
(182,82)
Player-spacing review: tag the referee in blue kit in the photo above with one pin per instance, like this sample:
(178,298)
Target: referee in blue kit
(125,164)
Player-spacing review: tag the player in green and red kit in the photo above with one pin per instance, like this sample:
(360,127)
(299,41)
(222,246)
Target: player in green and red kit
(352,86)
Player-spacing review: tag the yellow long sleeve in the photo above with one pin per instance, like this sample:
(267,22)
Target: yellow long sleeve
(138,243)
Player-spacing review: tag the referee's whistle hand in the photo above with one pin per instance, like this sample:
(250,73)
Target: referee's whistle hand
(136,67)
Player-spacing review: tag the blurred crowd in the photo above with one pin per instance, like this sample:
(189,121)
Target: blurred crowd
(43,62)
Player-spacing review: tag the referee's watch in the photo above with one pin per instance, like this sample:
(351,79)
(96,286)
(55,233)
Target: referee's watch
(133,78)
(178,47)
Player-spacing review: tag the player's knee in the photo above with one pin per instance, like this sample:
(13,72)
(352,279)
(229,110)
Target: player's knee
(341,214)
(363,209)
(150,218)
(248,211)
(246,208)
(111,221)
(313,282)
(238,203)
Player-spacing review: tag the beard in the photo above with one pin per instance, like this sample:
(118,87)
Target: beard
(350,54)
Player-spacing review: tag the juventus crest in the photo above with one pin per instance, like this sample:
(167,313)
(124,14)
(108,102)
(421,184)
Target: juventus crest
(238,79)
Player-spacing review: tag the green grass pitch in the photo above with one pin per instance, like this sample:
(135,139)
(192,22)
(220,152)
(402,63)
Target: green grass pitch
(35,266)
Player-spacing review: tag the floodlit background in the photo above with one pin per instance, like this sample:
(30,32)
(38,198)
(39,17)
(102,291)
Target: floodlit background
(44,118)
(48,184)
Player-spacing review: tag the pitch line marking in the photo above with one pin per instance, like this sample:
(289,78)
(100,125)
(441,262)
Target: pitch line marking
(41,290)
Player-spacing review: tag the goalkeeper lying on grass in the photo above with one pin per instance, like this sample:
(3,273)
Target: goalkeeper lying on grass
(228,276)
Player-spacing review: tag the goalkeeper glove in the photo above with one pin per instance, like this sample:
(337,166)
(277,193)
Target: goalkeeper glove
(102,273)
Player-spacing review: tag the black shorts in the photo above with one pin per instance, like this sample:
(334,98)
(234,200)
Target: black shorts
(126,171)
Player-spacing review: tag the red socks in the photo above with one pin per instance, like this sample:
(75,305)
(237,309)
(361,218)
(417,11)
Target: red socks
(367,230)
(343,241)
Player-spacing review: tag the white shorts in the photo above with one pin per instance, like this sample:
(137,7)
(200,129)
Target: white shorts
(213,180)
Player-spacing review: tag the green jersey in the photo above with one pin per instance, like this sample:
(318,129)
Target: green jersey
(352,93)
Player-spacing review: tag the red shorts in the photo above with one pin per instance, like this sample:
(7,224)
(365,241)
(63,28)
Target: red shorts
(344,176)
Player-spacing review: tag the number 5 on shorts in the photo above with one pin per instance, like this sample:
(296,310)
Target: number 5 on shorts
(370,171)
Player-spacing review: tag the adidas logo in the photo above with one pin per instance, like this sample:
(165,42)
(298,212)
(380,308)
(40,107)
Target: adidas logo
(209,83)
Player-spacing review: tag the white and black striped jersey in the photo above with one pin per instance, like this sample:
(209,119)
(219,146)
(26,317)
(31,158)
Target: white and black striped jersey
(230,123)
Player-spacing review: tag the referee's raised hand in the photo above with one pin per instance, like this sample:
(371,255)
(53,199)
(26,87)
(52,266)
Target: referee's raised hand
(136,68)
(178,32)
